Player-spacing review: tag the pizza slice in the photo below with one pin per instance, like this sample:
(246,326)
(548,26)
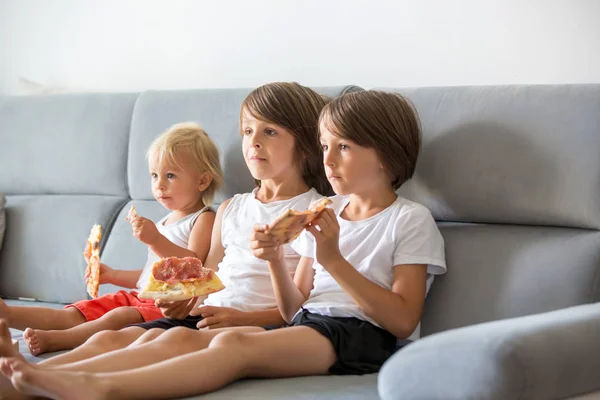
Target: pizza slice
(92,257)
(131,214)
(291,223)
(175,278)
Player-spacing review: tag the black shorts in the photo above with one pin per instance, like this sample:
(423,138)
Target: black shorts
(168,323)
(360,347)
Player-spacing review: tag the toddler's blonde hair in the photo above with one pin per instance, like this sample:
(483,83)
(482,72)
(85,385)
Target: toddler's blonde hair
(189,138)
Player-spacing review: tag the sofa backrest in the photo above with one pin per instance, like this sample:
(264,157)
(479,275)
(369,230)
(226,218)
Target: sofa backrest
(512,174)
(69,161)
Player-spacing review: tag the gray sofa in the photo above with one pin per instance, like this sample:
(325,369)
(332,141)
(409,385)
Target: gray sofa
(511,173)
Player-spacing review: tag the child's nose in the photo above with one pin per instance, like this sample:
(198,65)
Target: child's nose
(328,158)
(255,142)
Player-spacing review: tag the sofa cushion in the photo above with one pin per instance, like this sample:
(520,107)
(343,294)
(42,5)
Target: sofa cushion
(42,253)
(509,154)
(504,271)
(65,144)
(552,355)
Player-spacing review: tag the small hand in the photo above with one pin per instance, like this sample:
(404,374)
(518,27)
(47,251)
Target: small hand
(145,230)
(176,309)
(326,231)
(264,246)
(219,317)
(106,274)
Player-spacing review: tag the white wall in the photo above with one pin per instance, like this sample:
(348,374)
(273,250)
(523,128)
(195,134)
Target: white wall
(125,45)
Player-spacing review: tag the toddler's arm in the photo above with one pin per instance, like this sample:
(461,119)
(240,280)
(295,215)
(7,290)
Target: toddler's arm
(198,244)
(119,277)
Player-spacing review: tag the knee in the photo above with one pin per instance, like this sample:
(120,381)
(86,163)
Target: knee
(105,339)
(230,340)
(179,335)
(148,336)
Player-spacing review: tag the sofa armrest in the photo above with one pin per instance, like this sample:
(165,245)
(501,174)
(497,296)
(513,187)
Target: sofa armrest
(544,356)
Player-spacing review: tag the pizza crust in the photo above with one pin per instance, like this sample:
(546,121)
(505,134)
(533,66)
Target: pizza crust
(168,296)
(289,225)
(91,254)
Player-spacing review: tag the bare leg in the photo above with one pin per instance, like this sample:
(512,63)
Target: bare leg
(232,355)
(99,343)
(172,343)
(19,317)
(41,341)
(7,350)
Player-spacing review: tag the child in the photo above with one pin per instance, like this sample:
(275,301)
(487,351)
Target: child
(364,273)
(279,126)
(185,174)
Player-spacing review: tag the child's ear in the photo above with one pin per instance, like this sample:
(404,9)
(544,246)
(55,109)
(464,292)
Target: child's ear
(204,181)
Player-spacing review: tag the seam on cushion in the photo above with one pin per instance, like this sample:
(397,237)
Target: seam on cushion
(127,188)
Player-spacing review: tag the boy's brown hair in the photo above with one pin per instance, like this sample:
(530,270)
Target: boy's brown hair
(297,109)
(190,139)
(385,122)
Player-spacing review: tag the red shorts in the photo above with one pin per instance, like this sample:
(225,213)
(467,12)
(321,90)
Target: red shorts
(95,308)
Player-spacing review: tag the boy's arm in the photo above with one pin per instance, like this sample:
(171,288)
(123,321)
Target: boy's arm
(119,277)
(291,294)
(397,310)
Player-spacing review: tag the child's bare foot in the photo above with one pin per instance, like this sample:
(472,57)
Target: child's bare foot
(6,345)
(38,341)
(51,384)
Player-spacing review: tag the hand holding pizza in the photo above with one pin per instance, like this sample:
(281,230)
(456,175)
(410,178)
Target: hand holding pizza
(145,230)
(326,231)
(105,274)
(176,309)
(219,317)
(265,246)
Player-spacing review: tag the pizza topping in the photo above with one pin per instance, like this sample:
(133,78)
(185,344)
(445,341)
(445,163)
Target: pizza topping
(172,270)
(175,278)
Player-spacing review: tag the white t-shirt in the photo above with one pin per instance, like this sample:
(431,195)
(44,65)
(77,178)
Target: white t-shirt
(403,233)
(246,278)
(178,233)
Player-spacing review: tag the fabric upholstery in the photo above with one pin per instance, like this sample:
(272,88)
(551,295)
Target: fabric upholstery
(65,144)
(503,271)
(552,355)
(42,256)
(509,154)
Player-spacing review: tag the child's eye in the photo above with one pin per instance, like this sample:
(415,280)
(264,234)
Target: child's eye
(170,176)
(344,147)
(324,147)
(247,131)
(270,132)
(153,175)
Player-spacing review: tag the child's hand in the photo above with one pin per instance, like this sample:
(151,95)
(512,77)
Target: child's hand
(219,317)
(106,274)
(326,237)
(145,230)
(176,309)
(264,246)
